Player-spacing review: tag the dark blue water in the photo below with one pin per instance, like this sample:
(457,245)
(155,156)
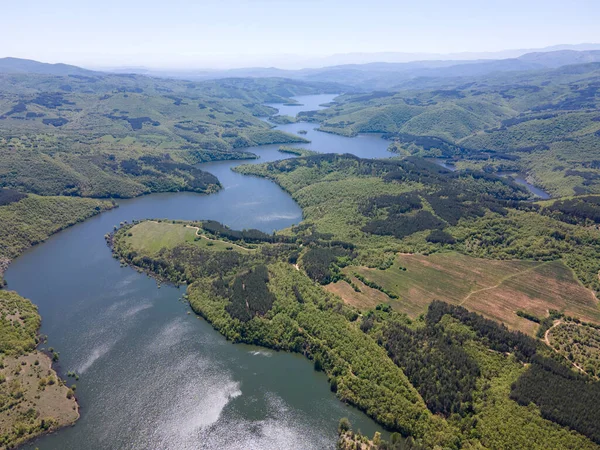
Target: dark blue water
(154,376)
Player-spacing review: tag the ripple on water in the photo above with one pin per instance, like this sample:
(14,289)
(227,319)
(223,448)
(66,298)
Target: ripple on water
(136,309)
(278,216)
(180,405)
(126,281)
(251,203)
(265,353)
(199,407)
(96,353)
(170,335)
(284,428)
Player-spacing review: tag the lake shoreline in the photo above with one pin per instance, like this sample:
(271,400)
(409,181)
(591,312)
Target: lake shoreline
(309,349)
(85,337)
(36,400)
(53,372)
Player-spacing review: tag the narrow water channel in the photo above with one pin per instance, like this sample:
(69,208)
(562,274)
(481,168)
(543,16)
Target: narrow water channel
(154,376)
(516,177)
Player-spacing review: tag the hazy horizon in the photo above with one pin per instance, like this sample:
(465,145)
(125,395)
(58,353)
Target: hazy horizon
(290,34)
(296,62)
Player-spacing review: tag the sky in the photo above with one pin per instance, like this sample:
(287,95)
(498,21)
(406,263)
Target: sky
(283,33)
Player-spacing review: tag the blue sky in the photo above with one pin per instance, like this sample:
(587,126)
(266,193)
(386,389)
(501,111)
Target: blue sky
(226,33)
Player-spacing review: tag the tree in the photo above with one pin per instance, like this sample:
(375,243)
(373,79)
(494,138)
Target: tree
(344,425)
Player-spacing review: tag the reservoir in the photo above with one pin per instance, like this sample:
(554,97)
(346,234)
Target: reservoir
(153,376)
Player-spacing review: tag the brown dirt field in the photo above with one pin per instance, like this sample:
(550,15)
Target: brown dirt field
(496,289)
(540,290)
(49,403)
(367,298)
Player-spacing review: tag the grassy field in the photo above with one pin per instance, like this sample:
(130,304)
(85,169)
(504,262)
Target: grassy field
(496,289)
(150,237)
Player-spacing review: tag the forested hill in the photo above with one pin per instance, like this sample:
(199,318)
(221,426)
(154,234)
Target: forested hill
(102,135)
(66,133)
(544,124)
(415,206)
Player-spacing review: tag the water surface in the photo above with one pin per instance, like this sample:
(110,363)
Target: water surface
(154,376)
(538,192)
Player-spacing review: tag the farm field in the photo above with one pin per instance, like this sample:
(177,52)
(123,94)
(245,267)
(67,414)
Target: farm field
(496,289)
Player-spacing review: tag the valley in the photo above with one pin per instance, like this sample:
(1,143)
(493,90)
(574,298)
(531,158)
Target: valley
(323,252)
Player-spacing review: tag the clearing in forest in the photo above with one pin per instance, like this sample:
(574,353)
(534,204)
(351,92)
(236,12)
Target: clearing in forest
(496,289)
(151,237)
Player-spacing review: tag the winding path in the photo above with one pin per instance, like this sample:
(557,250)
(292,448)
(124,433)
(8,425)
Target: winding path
(216,240)
(506,278)
(547,334)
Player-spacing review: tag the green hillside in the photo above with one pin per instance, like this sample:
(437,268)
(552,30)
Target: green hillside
(543,123)
(125,135)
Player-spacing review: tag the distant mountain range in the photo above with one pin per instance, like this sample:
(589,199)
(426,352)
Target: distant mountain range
(364,58)
(369,76)
(17,65)
(385,75)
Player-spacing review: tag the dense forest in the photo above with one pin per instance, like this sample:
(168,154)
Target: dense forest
(562,396)
(437,365)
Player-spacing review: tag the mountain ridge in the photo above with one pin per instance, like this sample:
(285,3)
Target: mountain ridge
(373,75)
